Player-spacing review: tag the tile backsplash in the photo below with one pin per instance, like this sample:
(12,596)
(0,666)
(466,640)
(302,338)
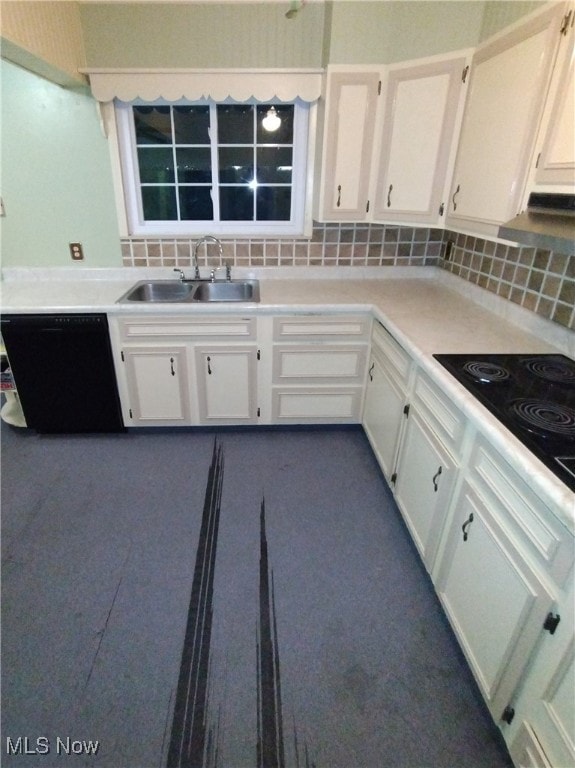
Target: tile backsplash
(339,245)
(538,280)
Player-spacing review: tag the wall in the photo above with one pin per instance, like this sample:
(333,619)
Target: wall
(172,35)
(56,176)
(386,32)
(499,14)
(46,38)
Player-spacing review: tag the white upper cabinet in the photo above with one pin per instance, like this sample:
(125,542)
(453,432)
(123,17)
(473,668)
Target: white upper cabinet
(508,83)
(351,101)
(556,146)
(417,132)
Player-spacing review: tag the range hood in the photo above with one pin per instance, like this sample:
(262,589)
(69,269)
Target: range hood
(548,222)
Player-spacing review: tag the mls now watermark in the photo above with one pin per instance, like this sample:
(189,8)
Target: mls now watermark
(42,745)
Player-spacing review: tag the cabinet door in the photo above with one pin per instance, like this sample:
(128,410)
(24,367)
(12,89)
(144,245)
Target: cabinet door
(496,604)
(157,382)
(383,414)
(227,384)
(508,81)
(348,140)
(424,482)
(545,710)
(556,163)
(419,121)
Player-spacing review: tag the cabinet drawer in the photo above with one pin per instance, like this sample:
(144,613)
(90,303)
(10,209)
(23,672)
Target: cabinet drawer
(438,410)
(319,363)
(530,522)
(321,328)
(393,357)
(183,326)
(316,405)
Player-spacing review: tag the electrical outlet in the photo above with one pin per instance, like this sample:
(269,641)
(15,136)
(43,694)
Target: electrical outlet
(76,251)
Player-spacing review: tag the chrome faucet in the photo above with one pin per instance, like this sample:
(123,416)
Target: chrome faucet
(225,266)
(181,273)
(204,240)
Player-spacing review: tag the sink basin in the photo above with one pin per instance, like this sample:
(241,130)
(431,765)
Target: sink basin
(229,290)
(191,291)
(159,290)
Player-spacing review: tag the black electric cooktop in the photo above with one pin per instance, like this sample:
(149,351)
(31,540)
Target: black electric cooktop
(532,395)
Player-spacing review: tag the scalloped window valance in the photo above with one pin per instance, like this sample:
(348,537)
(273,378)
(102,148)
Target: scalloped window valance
(192,85)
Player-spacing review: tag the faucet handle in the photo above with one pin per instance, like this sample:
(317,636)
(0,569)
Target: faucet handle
(182,276)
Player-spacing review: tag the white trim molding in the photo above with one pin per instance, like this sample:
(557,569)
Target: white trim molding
(218,84)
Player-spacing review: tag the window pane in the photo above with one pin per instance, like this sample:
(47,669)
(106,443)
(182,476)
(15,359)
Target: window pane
(153,125)
(156,166)
(191,125)
(273,203)
(159,203)
(194,165)
(196,203)
(284,134)
(236,165)
(235,124)
(236,204)
(274,165)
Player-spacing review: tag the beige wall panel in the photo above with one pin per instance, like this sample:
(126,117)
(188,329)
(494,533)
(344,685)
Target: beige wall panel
(50,31)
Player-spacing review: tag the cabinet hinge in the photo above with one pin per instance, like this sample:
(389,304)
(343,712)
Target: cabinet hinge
(406,410)
(464,73)
(508,714)
(441,209)
(379,88)
(394,478)
(367,207)
(551,622)
(259,355)
(567,21)
(123,358)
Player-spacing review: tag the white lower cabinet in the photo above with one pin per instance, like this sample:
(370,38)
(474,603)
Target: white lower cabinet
(495,602)
(386,397)
(178,370)
(227,384)
(423,485)
(157,382)
(318,368)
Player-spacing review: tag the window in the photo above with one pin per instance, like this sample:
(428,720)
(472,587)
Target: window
(187,165)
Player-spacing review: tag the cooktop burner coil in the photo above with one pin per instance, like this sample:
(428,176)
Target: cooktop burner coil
(545,417)
(483,371)
(554,369)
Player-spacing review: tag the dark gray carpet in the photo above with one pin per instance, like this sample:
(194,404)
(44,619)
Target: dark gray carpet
(245,598)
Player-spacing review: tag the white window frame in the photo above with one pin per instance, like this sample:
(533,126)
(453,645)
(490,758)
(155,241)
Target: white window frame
(299,224)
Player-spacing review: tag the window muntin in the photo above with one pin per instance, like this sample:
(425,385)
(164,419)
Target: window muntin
(188,164)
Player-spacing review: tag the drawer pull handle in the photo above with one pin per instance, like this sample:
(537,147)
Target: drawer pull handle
(435,476)
(371,371)
(172,366)
(389,195)
(465,526)
(338,195)
(209,368)
(454,196)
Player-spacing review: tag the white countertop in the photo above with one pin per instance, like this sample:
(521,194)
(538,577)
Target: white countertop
(427,309)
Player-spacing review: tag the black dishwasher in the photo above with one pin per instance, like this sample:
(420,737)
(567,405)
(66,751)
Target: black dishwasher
(64,372)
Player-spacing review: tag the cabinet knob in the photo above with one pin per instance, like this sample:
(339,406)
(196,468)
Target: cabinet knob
(208,359)
(172,366)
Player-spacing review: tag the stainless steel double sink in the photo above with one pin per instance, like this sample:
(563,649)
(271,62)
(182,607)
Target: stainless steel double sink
(192,291)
